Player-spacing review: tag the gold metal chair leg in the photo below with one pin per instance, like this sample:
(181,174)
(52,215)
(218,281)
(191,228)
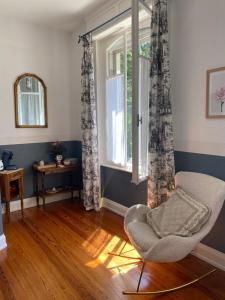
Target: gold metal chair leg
(128,264)
(123,256)
(167,290)
(139,281)
(124,245)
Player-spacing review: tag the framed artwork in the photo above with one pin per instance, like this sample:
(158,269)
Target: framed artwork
(215,93)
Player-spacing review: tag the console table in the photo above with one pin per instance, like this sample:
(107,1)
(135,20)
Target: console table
(42,171)
(11,187)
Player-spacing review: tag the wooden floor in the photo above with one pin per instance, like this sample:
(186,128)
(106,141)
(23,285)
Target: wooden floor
(62,253)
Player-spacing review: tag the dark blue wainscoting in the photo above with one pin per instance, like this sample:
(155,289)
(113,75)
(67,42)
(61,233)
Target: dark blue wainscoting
(208,164)
(26,154)
(117,186)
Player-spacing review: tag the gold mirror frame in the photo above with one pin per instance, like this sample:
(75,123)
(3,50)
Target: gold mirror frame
(16,102)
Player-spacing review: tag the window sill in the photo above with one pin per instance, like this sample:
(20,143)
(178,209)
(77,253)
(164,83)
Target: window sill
(116,167)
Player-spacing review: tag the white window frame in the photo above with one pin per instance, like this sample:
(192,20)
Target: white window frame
(135,90)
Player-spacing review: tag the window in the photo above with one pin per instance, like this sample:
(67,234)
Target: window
(114,89)
(119,101)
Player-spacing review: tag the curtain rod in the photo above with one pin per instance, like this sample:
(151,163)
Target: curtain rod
(103,24)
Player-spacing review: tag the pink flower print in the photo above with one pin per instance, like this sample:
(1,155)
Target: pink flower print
(220,97)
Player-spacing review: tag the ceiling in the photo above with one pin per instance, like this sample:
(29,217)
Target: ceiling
(62,14)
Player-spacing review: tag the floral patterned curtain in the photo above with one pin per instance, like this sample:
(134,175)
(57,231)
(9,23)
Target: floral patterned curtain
(161,145)
(90,164)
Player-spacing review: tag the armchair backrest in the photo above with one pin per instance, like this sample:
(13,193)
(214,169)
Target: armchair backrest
(206,189)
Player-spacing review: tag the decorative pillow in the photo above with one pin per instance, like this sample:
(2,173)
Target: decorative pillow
(180,215)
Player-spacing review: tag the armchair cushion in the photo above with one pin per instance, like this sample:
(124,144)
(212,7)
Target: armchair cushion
(181,215)
(138,231)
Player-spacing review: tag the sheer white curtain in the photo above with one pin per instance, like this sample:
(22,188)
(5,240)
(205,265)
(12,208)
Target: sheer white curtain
(31,108)
(115,117)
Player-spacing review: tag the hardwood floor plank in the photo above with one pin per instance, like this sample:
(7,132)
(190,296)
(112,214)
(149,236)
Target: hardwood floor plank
(62,253)
(5,287)
(67,253)
(47,275)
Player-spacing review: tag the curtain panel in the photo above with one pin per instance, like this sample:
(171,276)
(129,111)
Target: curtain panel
(90,163)
(31,107)
(161,144)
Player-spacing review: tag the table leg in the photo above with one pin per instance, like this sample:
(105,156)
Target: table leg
(71,183)
(37,189)
(21,193)
(43,188)
(7,211)
(44,202)
(79,194)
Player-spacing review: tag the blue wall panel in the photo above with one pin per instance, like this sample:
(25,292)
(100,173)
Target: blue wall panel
(26,154)
(117,186)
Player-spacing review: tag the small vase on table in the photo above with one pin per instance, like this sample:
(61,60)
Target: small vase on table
(59,159)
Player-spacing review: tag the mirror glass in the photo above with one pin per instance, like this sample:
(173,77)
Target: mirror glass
(30,101)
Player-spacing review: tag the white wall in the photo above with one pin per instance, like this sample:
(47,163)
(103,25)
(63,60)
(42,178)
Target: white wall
(197,44)
(77,52)
(48,53)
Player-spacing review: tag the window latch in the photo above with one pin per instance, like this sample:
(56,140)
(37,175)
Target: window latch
(139,120)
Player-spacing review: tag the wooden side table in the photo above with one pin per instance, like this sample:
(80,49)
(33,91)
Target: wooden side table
(43,171)
(11,187)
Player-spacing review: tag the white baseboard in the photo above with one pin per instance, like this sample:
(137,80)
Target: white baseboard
(208,254)
(113,206)
(31,202)
(3,243)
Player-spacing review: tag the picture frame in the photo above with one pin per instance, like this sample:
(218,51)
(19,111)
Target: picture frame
(215,93)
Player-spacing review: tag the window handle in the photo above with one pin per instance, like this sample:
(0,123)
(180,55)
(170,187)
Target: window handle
(139,120)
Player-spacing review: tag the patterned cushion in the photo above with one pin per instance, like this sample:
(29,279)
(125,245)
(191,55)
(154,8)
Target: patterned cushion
(180,215)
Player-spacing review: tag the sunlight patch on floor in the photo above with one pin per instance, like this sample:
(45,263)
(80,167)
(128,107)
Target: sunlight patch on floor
(115,264)
(96,242)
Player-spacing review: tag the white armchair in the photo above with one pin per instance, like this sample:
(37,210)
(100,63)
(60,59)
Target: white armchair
(207,189)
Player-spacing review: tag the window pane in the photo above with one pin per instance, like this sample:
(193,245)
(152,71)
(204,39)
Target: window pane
(129,105)
(116,57)
(144,81)
(144,31)
(115,114)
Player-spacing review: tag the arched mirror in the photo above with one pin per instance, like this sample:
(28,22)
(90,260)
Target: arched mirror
(30,94)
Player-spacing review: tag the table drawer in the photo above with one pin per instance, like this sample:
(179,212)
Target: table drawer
(15,175)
